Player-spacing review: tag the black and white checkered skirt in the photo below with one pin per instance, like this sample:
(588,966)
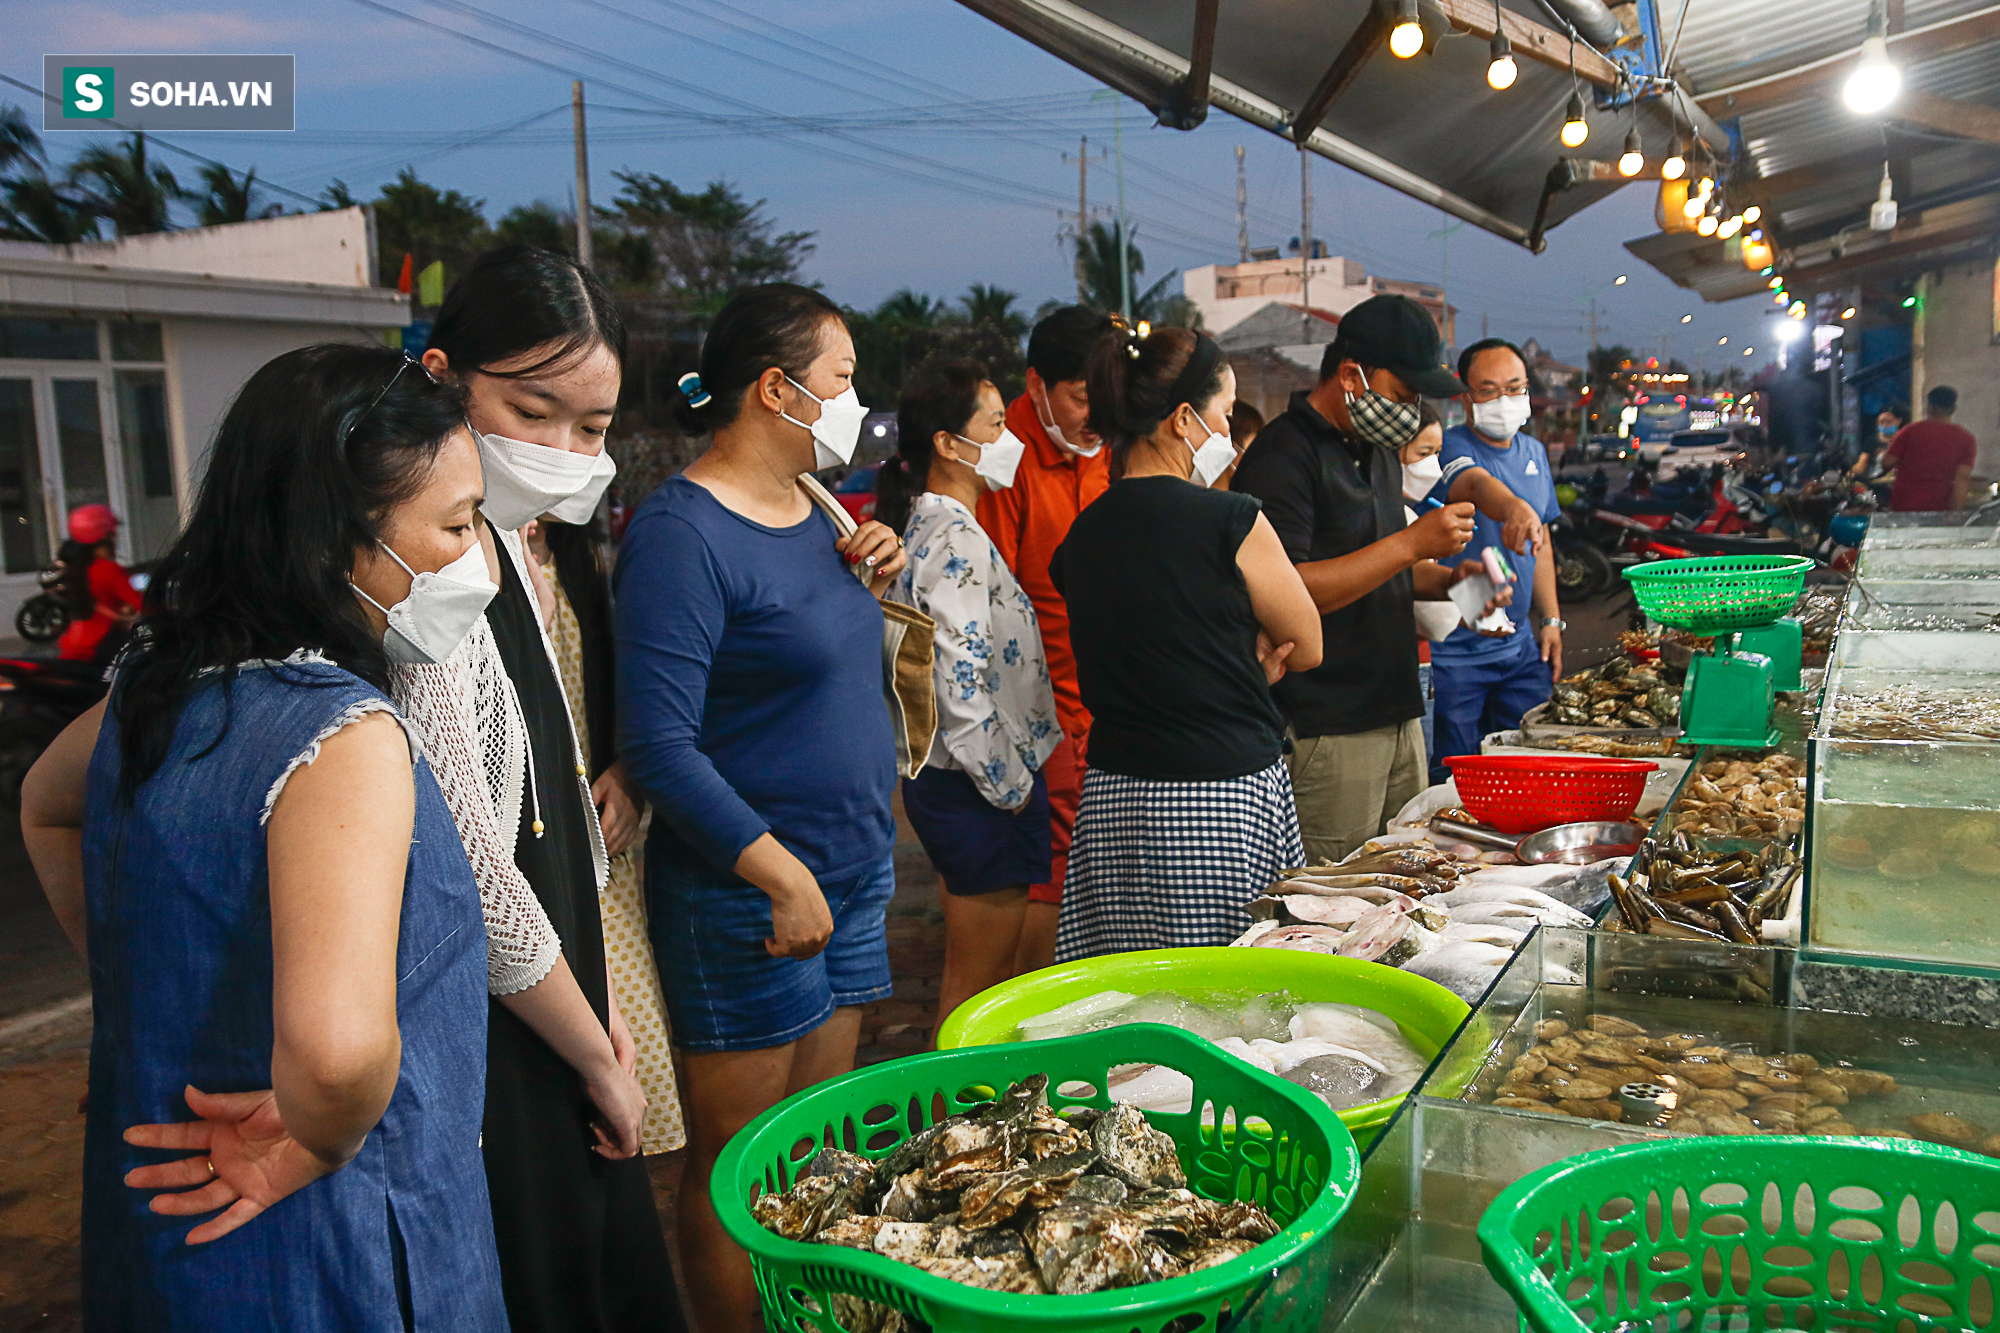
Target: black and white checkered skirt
(1169,865)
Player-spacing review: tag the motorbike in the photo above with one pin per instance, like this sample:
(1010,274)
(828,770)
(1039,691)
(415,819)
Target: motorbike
(1583,570)
(38,698)
(44,617)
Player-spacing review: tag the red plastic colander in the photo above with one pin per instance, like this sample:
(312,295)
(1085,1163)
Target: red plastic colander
(1525,793)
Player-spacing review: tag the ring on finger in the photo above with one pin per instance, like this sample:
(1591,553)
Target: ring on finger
(211,1167)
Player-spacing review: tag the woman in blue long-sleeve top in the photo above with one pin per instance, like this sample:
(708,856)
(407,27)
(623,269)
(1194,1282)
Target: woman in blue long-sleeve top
(751,712)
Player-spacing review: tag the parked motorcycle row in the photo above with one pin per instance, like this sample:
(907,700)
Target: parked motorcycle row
(1742,509)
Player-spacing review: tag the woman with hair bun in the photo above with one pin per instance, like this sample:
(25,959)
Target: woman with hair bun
(1183,610)
(981,804)
(751,713)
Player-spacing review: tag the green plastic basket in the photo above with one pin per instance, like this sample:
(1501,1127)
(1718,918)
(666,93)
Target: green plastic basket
(1752,1233)
(1265,1140)
(1719,593)
(1427,1013)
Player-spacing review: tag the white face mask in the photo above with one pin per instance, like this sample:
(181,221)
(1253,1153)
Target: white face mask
(998,459)
(1419,477)
(440,610)
(838,429)
(1047,417)
(1499,419)
(1214,456)
(525,481)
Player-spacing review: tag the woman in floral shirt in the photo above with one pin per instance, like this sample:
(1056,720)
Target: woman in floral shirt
(981,804)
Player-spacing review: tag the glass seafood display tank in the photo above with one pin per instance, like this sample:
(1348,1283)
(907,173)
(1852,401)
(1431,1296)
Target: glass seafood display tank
(1968,605)
(1929,562)
(1944,528)
(1904,848)
(1741,1040)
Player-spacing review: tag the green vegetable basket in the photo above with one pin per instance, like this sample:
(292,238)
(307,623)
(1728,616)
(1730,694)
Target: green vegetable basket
(1263,1140)
(1719,593)
(1752,1233)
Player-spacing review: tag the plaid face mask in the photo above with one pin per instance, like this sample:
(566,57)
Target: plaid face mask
(1377,420)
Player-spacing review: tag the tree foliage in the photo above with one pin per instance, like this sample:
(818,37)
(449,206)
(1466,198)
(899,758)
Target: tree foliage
(34,206)
(911,328)
(416,218)
(121,185)
(227,197)
(693,247)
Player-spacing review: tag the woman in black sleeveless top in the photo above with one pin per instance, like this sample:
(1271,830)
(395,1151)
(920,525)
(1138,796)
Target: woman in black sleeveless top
(1187,807)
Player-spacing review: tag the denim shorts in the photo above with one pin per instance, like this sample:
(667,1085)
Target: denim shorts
(724,992)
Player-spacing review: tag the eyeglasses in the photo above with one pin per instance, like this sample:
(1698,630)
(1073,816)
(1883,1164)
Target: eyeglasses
(408,361)
(1513,389)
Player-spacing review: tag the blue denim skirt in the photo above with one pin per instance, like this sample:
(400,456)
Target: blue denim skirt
(724,992)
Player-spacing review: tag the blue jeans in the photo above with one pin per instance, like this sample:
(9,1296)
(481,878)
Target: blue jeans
(1430,709)
(1474,698)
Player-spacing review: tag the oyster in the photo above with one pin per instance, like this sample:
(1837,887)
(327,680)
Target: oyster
(963,1153)
(1215,1252)
(1092,1249)
(849,1168)
(1006,1272)
(913,1198)
(806,1209)
(1944,1127)
(1134,1151)
(1098,1191)
(996,1198)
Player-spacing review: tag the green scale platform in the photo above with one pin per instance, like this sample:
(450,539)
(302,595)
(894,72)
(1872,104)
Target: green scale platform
(1740,601)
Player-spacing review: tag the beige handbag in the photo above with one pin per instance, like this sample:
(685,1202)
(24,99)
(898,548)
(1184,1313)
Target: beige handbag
(907,634)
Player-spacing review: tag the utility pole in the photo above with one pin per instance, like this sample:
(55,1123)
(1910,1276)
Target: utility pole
(1305,244)
(1242,211)
(584,254)
(1483,335)
(1082,215)
(1590,368)
(1124,227)
(1082,212)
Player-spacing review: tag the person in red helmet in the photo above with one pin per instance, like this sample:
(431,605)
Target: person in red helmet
(95,582)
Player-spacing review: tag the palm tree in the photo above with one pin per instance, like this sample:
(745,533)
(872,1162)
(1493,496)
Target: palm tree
(20,146)
(35,208)
(124,188)
(1098,252)
(912,310)
(228,197)
(986,304)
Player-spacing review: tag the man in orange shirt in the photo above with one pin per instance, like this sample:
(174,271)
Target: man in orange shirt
(1064,469)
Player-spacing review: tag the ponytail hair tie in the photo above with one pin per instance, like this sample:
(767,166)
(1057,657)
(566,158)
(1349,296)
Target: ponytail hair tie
(690,387)
(1135,336)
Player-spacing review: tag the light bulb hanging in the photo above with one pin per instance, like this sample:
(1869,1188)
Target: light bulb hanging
(1501,71)
(1752,213)
(1406,38)
(1707,224)
(1730,226)
(1633,161)
(1874,82)
(1676,164)
(1575,128)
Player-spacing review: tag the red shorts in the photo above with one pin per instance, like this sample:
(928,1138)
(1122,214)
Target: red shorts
(1064,768)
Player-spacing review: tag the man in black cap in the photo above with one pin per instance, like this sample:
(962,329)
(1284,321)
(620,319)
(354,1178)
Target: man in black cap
(1328,474)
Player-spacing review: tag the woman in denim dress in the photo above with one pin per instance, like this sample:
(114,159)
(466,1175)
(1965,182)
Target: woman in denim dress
(284,936)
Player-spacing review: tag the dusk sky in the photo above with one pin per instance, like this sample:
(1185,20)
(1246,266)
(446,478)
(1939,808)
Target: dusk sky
(922,143)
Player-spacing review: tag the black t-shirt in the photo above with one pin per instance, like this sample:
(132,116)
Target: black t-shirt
(1164,635)
(1327,494)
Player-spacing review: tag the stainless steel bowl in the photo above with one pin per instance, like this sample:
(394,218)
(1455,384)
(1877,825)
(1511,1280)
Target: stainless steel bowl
(1580,844)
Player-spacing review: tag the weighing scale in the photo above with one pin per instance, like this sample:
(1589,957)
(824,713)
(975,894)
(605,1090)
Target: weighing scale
(1740,601)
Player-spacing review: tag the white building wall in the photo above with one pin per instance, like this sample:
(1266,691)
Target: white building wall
(334,249)
(1959,349)
(210,359)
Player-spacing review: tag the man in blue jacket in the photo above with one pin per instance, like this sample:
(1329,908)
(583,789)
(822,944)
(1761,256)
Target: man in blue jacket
(1482,683)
